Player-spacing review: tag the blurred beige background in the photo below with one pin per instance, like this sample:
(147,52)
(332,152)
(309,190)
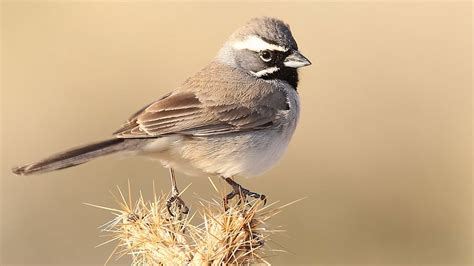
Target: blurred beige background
(382,153)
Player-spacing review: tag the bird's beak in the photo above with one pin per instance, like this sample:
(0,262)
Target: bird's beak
(296,60)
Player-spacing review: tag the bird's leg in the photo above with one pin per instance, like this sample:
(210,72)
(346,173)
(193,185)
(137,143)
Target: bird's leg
(175,196)
(238,190)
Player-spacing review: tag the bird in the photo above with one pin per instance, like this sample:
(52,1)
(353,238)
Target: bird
(233,118)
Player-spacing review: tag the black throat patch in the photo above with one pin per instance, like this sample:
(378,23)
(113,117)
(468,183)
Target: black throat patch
(287,74)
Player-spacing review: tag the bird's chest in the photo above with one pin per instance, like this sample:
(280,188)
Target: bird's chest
(271,144)
(246,153)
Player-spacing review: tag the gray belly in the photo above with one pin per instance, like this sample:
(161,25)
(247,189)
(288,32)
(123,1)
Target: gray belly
(237,154)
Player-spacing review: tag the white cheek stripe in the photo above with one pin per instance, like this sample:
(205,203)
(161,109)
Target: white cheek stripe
(265,71)
(256,44)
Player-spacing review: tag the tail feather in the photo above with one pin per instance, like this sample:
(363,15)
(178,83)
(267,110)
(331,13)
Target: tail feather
(75,156)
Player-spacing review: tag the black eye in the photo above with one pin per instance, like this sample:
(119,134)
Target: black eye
(266,56)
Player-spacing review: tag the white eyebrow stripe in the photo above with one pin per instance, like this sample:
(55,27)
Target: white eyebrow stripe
(256,44)
(269,70)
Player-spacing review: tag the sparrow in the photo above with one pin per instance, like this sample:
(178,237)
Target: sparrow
(233,118)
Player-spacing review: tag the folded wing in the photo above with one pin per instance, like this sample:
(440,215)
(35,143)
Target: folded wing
(185,113)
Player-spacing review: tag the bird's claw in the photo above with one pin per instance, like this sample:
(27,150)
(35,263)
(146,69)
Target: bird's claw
(181,206)
(243,193)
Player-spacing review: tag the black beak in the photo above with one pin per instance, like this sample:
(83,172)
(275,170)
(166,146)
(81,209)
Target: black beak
(296,60)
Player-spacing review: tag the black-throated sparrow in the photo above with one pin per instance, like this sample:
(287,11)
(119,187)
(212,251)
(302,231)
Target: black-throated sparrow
(235,117)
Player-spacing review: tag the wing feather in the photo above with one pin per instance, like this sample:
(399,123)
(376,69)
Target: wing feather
(193,110)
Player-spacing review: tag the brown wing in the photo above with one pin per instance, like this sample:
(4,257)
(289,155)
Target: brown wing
(215,108)
(184,113)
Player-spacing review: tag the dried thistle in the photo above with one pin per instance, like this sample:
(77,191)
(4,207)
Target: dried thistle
(235,234)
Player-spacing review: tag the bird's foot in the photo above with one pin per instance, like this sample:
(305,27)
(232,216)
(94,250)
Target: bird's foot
(180,205)
(238,190)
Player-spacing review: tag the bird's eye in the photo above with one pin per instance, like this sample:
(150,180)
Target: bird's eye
(266,56)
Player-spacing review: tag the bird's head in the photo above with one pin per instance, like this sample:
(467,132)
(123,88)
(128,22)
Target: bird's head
(265,48)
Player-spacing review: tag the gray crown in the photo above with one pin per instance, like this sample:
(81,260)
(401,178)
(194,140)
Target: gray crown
(271,30)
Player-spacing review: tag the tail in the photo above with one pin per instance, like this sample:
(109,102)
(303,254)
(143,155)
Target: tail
(75,156)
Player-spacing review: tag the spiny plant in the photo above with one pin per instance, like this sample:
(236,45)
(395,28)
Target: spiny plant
(237,233)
